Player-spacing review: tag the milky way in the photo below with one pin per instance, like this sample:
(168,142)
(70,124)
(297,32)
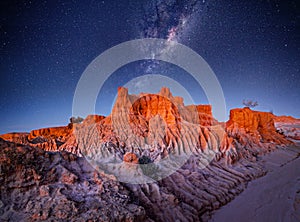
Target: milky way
(169,20)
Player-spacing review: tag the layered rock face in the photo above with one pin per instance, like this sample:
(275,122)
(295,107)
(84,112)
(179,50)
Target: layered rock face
(53,132)
(162,123)
(92,119)
(154,125)
(21,138)
(175,162)
(288,126)
(51,138)
(254,129)
(149,106)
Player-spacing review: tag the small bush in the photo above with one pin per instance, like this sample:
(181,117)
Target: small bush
(145,160)
(147,166)
(77,119)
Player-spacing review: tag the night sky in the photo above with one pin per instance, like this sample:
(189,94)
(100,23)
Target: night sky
(252,46)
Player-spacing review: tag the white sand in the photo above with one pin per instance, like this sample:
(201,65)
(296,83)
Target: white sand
(273,197)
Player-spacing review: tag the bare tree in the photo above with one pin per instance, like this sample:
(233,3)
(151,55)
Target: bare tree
(250,103)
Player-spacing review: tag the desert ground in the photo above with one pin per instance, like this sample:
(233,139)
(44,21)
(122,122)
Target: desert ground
(273,197)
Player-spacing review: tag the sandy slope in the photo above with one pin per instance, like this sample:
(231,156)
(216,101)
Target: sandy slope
(274,197)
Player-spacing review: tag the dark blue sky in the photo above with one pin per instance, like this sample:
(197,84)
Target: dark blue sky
(253,48)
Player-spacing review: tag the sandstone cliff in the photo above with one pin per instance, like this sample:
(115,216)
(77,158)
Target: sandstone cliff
(15,137)
(173,161)
(157,124)
(51,138)
(288,126)
(254,129)
(154,125)
(52,132)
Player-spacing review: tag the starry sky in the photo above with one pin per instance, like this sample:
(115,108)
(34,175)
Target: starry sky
(252,46)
